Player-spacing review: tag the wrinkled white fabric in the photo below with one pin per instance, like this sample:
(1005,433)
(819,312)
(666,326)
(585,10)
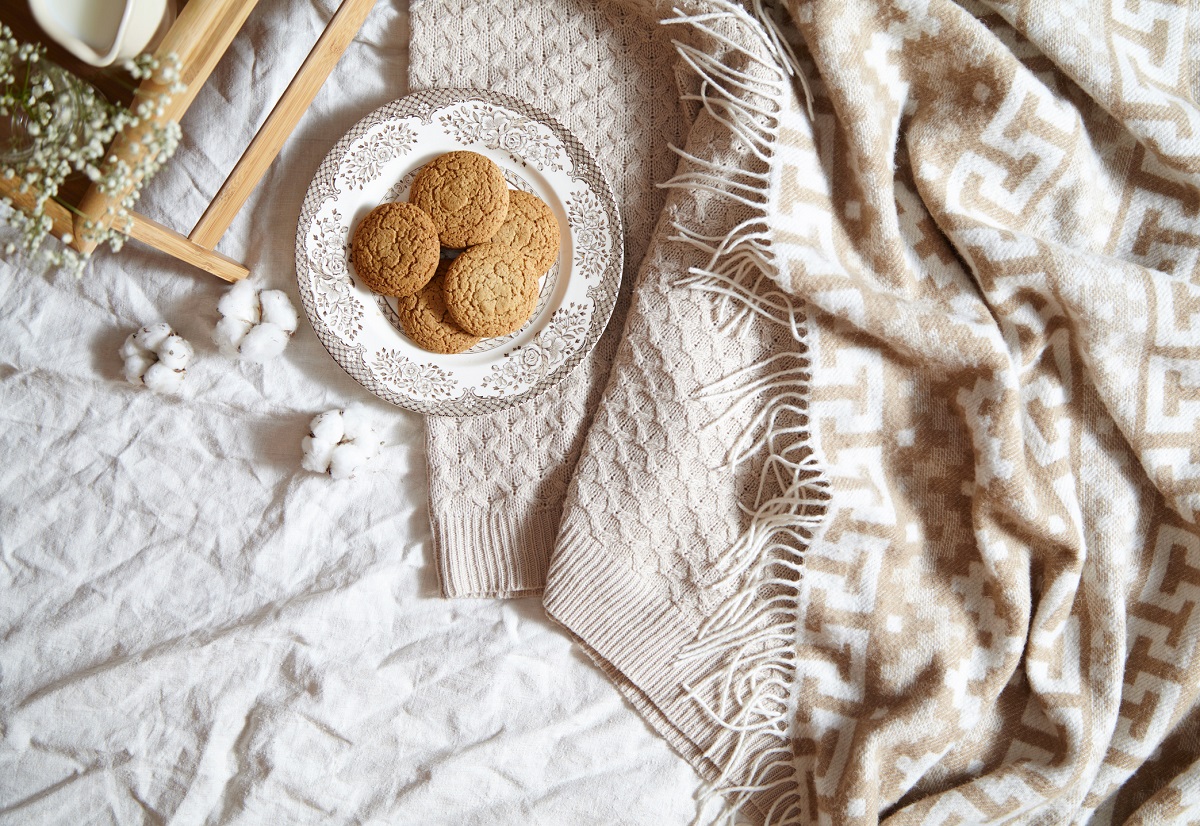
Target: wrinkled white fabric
(193,629)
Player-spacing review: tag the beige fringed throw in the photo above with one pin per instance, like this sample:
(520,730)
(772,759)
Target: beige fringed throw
(886,509)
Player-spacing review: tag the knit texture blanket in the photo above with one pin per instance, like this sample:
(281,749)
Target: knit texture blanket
(879,498)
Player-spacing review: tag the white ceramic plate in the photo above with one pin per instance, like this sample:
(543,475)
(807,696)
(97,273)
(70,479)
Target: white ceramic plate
(375,162)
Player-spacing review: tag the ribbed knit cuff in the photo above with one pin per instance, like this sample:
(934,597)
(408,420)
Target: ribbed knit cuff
(500,553)
(629,626)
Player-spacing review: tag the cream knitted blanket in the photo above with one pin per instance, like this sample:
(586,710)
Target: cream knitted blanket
(886,508)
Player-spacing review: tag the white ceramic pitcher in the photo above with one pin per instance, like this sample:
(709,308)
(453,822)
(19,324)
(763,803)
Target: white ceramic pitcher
(102,32)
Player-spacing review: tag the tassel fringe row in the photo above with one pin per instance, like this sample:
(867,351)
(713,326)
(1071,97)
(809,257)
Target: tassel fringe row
(750,694)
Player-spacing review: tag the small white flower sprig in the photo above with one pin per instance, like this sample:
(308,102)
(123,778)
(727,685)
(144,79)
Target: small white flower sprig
(156,357)
(339,443)
(255,325)
(68,127)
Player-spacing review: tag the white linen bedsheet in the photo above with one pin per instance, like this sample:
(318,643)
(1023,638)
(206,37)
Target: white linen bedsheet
(195,630)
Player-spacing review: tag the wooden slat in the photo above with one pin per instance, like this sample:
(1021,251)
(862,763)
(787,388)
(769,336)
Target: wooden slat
(198,38)
(143,229)
(63,221)
(173,243)
(292,105)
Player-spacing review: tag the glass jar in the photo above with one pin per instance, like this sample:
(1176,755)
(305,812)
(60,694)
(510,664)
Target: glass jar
(47,112)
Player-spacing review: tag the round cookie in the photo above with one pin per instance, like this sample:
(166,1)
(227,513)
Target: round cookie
(465,195)
(395,249)
(491,290)
(426,320)
(530,228)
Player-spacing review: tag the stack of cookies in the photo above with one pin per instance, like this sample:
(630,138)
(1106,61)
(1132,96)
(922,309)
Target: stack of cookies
(459,201)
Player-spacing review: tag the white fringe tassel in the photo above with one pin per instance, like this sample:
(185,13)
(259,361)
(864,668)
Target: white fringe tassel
(750,694)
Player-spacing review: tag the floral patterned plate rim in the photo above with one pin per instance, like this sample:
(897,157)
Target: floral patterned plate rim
(375,161)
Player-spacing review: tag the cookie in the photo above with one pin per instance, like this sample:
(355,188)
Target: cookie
(465,195)
(491,290)
(530,228)
(427,322)
(395,249)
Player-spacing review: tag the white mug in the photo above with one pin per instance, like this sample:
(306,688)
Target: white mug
(102,32)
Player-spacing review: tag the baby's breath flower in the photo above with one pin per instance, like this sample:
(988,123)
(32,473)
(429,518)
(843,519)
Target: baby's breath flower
(67,126)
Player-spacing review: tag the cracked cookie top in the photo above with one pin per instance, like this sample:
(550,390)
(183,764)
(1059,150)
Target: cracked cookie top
(491,290)
(466,196)
(395,249)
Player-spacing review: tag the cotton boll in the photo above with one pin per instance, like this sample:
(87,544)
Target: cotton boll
(137,359)
(256,326)
(153,335)
(361,431)
(131,348)
(277,309)
(317,454)
(241,302)
(355,422)
(346,459)
(175,353)
(341,441)
(136,366)
(371,446)
(328,427)
(229,333)
(263,342)
(156,357)
(163,379)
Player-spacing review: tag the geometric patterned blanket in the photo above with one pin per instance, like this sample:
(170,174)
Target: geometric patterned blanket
(993,218)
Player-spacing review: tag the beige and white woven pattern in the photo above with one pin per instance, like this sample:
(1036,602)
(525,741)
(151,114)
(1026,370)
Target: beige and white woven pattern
(887,510)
